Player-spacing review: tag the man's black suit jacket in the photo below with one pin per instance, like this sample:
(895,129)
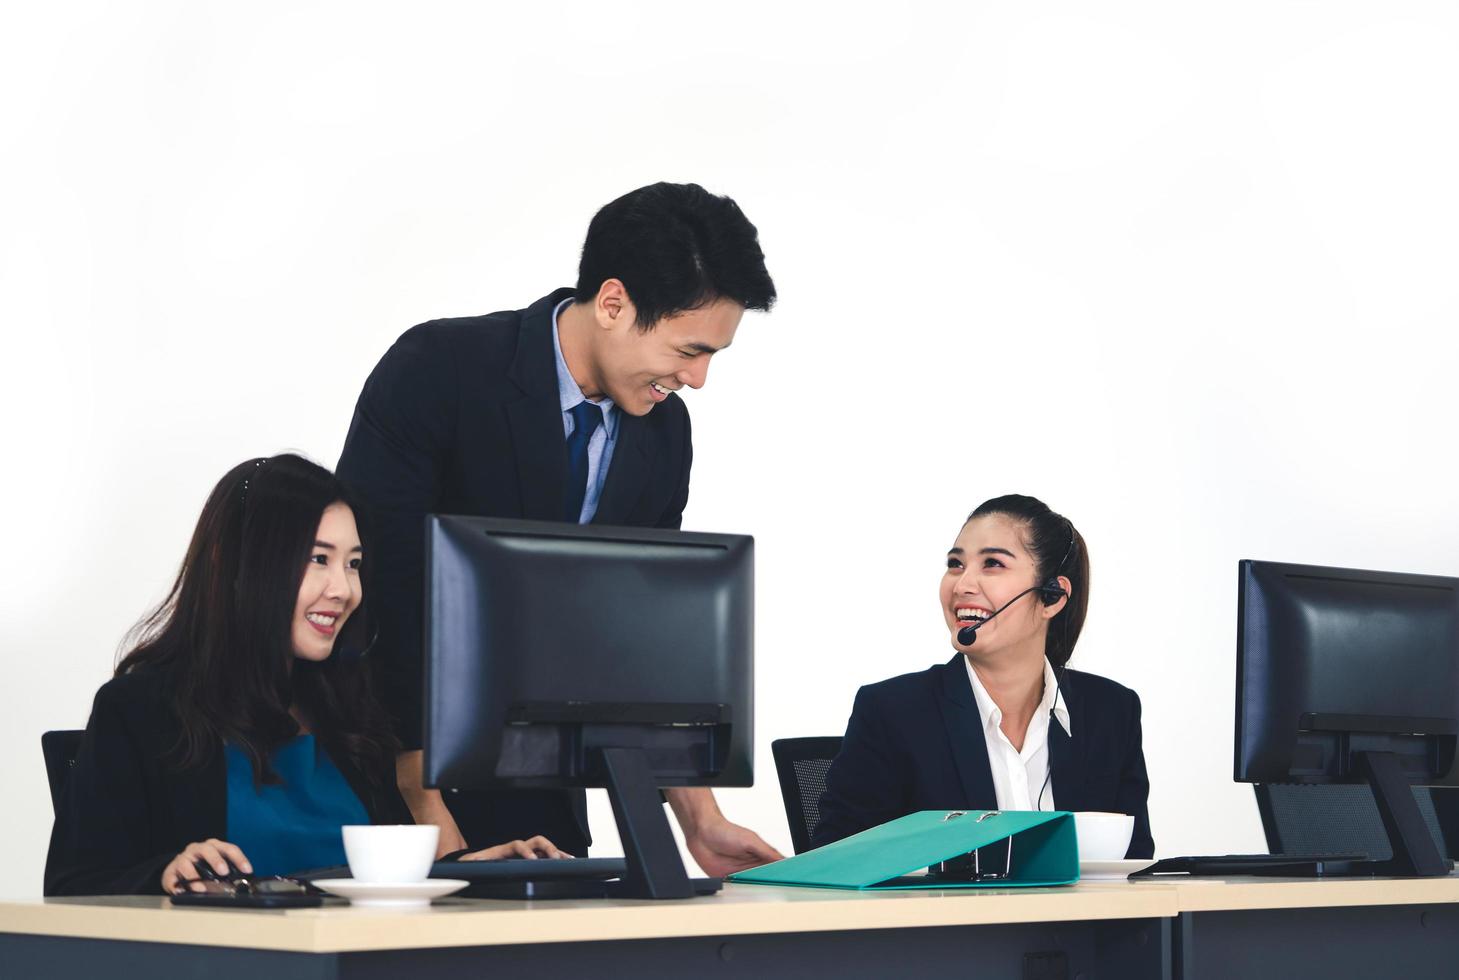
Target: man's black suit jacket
(916,742)
(463,416)
(126,812)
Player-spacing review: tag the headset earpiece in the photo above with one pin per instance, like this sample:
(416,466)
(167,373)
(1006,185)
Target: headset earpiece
(1051,592)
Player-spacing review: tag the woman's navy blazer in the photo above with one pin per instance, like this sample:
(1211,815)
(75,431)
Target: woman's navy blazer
(916,742)
(126,812)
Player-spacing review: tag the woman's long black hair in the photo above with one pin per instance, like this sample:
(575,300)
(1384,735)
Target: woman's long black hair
(224,632)
(1057,549)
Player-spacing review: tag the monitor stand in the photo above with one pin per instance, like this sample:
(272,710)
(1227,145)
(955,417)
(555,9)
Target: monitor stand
(654,868)
(1414,852)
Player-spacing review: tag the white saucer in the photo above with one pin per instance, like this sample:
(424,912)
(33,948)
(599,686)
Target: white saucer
(391,895)
(1108,870)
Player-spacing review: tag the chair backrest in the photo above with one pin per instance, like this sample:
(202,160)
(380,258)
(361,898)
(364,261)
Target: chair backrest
(59,748)
(1301,818)
(801,764)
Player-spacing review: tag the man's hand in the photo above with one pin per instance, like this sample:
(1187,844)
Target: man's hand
(721,848)
(426,805)
(718,846)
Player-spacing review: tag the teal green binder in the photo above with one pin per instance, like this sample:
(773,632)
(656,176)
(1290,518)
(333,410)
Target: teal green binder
(1044,851)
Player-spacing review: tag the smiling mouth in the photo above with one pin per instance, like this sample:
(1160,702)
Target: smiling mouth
(322,621)
(660,388)
(971,615)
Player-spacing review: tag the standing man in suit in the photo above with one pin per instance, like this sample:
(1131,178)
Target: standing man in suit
(565,411)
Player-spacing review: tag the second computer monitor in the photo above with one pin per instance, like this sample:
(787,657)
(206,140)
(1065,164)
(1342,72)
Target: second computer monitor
(547,643)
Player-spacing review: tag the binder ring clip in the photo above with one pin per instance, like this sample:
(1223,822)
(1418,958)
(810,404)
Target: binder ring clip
(990,813)
(953,815)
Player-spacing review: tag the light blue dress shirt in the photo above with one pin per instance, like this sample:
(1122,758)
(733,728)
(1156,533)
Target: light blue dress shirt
(600,443)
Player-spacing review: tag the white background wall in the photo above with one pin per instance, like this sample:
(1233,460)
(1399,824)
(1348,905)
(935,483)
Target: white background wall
(1187,272)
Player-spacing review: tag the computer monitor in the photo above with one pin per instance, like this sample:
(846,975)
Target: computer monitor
(1346,676)
(561,655)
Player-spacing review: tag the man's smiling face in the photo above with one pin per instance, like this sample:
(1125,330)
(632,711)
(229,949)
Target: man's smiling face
(639,368)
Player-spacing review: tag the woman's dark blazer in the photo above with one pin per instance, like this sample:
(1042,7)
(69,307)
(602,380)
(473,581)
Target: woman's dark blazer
(126,813)
(916,742)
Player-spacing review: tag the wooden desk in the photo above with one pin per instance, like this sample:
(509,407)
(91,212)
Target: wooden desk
(1093,929)
(1255,928)
(1191,929)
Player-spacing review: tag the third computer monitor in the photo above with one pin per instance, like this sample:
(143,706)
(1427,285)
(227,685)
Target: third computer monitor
(1350,676)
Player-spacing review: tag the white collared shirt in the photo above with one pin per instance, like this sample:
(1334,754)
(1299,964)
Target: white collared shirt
(1018,775)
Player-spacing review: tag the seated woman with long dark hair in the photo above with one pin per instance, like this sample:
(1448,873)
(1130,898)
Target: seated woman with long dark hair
(1004,724)
(240,727)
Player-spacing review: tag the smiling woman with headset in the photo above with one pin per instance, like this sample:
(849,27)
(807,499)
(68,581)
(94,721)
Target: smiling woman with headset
(1004,724)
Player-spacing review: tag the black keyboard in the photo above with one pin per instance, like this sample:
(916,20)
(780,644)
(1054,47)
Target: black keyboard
(1293,865)
(524,879)
(508,869)
(524,869)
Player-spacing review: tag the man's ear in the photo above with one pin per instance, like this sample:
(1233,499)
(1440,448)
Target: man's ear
(612,308)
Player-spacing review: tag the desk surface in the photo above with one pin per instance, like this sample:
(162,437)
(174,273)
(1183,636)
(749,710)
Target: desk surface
(738,910)
(1237,894)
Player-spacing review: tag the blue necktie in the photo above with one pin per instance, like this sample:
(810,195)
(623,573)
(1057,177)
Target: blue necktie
(586,417)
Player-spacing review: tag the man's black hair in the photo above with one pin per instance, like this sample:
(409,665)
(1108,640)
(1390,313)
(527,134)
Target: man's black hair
(675,247)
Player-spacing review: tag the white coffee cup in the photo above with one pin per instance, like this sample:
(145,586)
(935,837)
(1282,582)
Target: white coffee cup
(391,853)
(1103,836)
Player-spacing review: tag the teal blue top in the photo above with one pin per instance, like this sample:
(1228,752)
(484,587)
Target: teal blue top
(293,826)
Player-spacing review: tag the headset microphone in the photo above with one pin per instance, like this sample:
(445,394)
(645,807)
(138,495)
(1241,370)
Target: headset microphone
(1051,591)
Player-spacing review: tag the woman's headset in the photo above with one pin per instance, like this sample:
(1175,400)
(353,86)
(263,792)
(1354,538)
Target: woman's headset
(1051,591)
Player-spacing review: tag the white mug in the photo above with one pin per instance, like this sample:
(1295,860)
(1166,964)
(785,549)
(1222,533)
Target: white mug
(391,853)
(1103,836)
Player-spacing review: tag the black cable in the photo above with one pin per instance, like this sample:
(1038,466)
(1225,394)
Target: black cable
(1048,741)
(1058,676)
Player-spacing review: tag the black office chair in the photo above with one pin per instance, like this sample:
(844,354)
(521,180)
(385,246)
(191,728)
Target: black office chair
(1343,819)
(801,764)
(59,749)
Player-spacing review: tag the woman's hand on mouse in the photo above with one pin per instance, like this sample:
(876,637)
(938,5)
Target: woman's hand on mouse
(535,847)
(181,871)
